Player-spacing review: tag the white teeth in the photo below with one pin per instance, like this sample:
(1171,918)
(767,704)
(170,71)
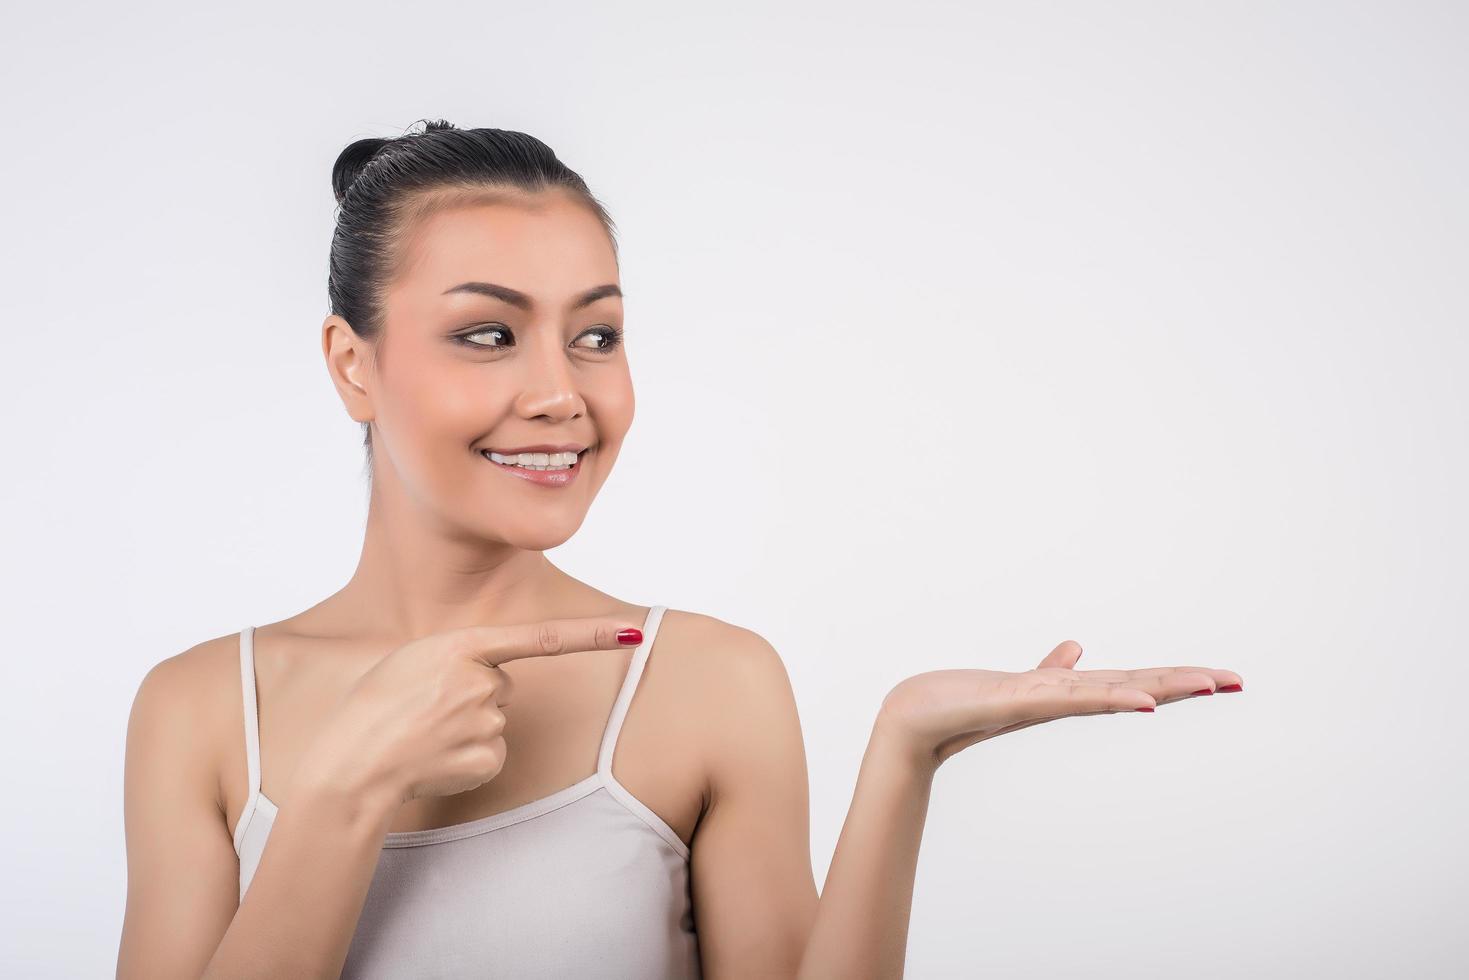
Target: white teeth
(535,461)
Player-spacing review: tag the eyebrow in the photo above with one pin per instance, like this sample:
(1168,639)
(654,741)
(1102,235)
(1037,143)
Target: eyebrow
(516,298)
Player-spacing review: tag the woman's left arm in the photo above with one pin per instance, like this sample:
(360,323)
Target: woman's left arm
(861,926)
(753,892)
(756,908)
(755,899)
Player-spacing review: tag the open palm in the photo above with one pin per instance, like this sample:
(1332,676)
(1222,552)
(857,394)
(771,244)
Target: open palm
(945,711)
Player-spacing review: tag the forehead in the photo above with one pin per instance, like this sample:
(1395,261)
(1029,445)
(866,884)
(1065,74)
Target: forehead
(547,244)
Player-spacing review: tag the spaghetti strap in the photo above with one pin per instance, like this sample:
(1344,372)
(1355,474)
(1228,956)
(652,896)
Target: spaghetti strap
(252,718)
(625,693)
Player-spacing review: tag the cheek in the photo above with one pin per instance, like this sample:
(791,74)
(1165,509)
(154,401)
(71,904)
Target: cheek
(612,405)
(440,402)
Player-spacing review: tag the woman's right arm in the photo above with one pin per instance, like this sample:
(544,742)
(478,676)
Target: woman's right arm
(184,918)
(424,721)
(301,909)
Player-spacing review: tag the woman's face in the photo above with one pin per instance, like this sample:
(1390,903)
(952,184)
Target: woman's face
(501,331)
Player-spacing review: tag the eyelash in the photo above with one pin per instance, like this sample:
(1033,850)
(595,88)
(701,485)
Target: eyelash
(613,335)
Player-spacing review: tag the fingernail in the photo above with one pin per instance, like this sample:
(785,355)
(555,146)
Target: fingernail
(1206,691)
(630,635)
(1143,709)
(1232,688)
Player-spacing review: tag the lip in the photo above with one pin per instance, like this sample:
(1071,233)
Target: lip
(543,478)
(540,447)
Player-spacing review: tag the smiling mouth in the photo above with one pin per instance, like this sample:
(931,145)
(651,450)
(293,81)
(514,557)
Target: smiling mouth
(533,468)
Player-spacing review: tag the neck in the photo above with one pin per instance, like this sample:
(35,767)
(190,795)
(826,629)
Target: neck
(417,576)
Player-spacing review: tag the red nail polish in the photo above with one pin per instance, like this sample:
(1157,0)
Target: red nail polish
(630,635)
(1232,687)
(1205,691)
(1144,709)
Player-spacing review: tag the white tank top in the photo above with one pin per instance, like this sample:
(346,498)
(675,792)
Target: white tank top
(586,882)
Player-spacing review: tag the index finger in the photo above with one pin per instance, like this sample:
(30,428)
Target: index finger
(494,645)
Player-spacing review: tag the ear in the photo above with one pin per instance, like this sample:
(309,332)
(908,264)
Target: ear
(348,358)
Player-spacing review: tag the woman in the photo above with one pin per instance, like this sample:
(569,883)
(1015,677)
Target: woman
(444,770)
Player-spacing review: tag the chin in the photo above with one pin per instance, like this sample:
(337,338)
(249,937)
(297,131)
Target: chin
(542,536)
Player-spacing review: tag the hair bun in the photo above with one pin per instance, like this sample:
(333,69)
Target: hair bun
(351,161)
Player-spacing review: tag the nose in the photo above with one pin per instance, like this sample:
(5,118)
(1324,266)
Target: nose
(549,388)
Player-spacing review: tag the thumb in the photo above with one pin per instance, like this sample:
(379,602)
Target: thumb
(1066,654)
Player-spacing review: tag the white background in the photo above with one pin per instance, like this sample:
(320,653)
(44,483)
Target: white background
(957,330)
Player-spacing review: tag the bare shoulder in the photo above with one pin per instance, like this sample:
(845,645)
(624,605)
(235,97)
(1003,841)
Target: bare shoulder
(194,682)
(733,679)
(181,704)
(182,872)
(204,659)
(720,653)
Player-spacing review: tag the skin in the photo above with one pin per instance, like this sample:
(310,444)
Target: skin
(452,569)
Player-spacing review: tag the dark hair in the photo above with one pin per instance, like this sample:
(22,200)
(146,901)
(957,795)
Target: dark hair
(385,186)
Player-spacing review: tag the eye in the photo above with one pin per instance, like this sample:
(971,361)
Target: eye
(489,329)
(611,338)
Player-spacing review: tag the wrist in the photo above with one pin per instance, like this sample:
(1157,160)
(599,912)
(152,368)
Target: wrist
(894,749)
(357,794)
